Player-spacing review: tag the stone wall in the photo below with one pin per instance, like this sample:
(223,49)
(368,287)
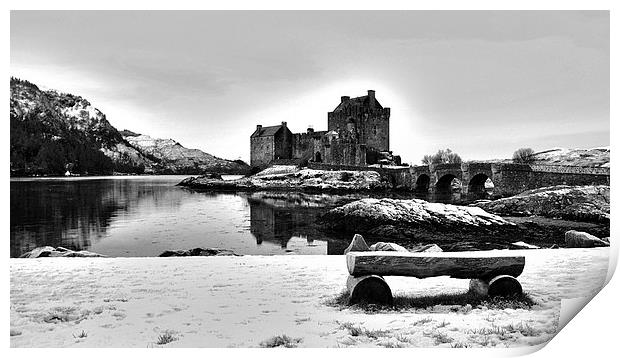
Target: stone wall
(262,150)
(306,145)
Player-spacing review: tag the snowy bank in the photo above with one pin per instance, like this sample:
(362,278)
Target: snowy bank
(228,301)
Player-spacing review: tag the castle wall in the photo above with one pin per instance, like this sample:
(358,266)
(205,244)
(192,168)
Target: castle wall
(306,145)
(262,151)
(283,144)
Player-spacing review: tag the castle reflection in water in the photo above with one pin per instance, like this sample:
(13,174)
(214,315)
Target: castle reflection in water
(280,217)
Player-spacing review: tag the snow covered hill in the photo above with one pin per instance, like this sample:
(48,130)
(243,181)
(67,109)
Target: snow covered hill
(53,133)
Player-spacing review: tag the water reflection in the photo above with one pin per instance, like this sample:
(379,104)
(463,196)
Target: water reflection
(77,213)
(280,217)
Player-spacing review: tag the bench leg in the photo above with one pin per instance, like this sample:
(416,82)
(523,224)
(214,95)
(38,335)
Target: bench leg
(369,289)
(503,285)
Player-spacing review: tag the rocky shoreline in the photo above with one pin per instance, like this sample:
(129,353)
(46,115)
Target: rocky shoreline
(414,222)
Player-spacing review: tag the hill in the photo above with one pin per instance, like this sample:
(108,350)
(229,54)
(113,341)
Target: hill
(52,133)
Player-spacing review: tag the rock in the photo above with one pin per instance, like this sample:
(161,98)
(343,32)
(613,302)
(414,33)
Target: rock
(426,248)
(554,246)
(575,238)
(387,246)
(579,203)
(357,244)
(199,252)
(525,245)
(49,251)
(43,251)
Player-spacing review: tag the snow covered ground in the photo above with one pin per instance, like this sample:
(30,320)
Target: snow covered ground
(243,301)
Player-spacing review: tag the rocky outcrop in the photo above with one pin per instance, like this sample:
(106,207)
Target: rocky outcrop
(583,239)
(49,251)
(579,203)
(418,225)
(370,213)
(199,252)
(299,179)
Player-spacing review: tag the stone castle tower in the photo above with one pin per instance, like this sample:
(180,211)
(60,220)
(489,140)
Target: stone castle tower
(364,118)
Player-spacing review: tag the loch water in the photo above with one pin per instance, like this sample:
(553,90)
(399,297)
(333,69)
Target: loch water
(146,215)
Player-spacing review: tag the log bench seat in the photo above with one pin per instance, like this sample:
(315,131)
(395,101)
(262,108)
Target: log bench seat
(490,273)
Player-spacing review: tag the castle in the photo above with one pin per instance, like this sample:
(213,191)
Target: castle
(358,133)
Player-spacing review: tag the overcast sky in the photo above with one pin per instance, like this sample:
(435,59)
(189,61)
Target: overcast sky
(482,83)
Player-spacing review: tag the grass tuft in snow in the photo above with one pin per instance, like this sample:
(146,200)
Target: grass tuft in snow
(441,338)
(280,341)
(166,337)
(522,301)
(65,314)
(358,331)
(82,334)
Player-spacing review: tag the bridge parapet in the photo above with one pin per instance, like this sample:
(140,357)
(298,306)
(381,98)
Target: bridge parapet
(570,169)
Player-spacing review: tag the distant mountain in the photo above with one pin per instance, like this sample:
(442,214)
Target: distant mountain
(53,132)
(177,159)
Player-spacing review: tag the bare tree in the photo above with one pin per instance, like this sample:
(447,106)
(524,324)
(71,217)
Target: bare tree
(523,155)
(442,156)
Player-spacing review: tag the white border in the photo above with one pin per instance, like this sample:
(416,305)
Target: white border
(592,332)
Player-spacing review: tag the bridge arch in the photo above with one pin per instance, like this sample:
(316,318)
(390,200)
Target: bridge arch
(480,186)
(423,183)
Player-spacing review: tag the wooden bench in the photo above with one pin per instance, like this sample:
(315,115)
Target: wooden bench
(491,273)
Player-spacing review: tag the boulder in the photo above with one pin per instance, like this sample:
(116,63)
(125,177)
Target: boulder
(387,246)
(43,251)
(575,238)
(49,251)
(357,244)
(426,248)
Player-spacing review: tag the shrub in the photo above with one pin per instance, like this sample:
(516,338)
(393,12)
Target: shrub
(523,155)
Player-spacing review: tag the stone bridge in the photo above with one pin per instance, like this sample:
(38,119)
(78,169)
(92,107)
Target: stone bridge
(507,178)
